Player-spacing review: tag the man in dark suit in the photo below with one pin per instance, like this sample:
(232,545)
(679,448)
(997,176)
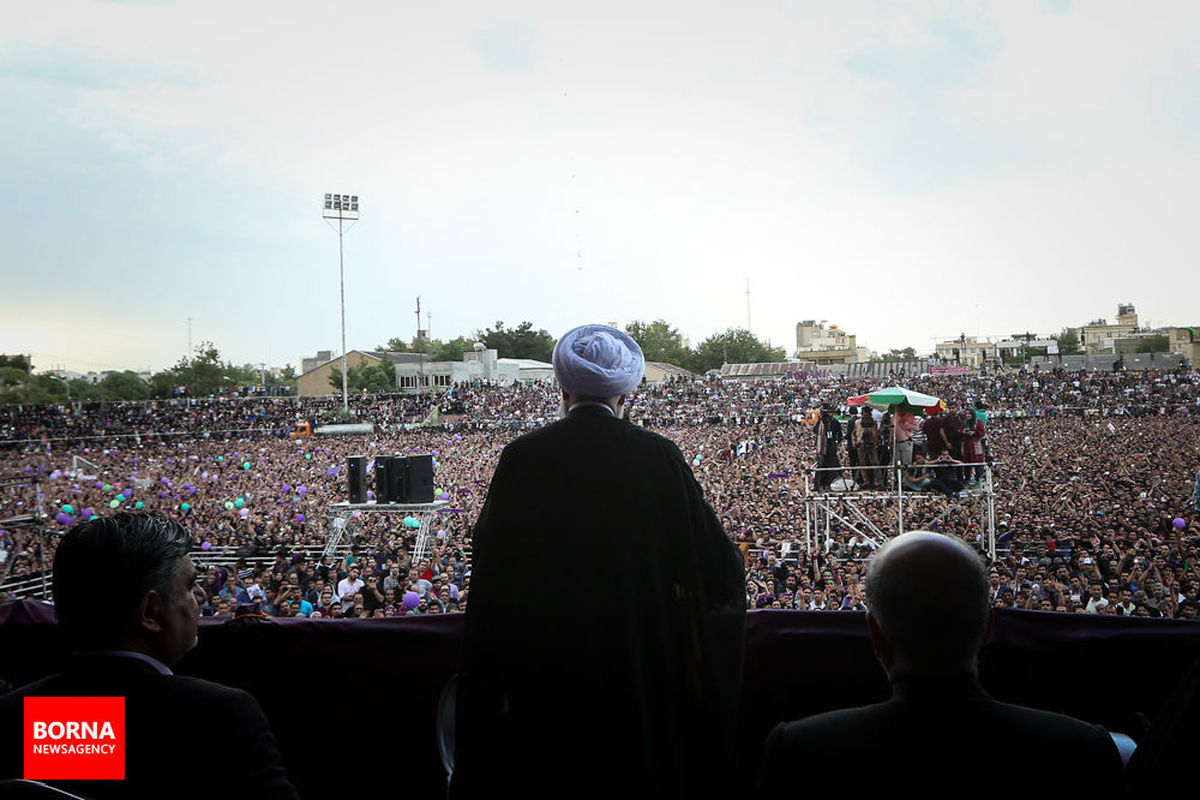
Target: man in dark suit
(125,596)
(624,680)
(940,735)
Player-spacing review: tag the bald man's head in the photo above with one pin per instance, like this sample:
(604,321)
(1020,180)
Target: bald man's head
(927,596)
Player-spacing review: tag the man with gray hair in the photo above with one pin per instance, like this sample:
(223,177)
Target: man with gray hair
(124,649)
(626,683)
(940,734)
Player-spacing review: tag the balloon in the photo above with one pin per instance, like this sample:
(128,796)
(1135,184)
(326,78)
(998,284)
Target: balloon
(185,507)
(1180,522)
(300,518)
(120,498)
(205,546)
(301,490)
(63,519)
(441,534)
(113,504)
(106,488)
(308,455)
(139,504)
(87,513)
(286,489)
(228,505)
(411,600)
(220,458)
(245,512)
(444,496)
(241,501)
(66,509)
(245,465)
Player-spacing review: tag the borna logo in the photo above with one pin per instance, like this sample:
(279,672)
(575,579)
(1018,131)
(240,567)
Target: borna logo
(74,738)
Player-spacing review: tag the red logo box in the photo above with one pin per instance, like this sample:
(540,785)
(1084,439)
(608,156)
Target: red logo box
(74,738)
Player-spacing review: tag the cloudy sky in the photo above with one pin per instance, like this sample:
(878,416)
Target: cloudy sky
(905,170)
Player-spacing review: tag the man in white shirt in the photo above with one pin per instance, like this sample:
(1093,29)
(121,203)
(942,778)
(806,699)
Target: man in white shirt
(348,587)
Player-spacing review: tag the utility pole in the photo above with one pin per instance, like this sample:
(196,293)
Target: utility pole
(748,306)
(189,350)
(420,351)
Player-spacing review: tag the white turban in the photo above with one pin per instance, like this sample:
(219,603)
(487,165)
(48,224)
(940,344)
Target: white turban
(598,361)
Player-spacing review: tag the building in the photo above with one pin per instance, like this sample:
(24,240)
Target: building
(1098,336)
(307,364)
(967,351)
(415,372)
(659,372)
(826,345)
(314,381)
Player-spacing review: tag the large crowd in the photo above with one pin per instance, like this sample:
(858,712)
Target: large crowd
(1093,477)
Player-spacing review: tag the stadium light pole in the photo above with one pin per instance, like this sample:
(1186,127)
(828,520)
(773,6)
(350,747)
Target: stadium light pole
(343,208)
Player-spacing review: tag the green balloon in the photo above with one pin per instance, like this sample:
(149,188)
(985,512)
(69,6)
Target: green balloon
(228,506)
(120,498)
(113,504)
(245,465)
(139,504)
(186,507)
(220,458)
(107,488)
(241,501)
(67,509)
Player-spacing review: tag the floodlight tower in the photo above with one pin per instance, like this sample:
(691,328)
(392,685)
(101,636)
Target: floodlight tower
(343,208)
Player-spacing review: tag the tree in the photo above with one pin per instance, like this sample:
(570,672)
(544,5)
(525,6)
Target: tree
(659,342)
(734,346)
(394,345)
(1068,343)
(519,342)
(203,374)
(125,385)
(897,354)
(20,362)
(375,378)
(452,350)
(1159,343)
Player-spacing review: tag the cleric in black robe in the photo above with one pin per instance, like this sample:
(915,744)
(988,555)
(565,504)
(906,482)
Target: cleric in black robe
(603,642)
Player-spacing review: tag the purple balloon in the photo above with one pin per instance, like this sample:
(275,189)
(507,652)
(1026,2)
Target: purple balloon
(1180,523)
(63,519)
(411,600)
(300,518)
(87,513)
(205,546)
(301,490)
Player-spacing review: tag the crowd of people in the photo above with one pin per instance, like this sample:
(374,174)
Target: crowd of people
(1092,476)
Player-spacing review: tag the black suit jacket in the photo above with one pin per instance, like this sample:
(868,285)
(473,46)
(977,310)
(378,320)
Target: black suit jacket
(593,652)
(185,737)
(943,739)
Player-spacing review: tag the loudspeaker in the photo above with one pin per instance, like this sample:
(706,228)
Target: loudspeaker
(356,469)
(381,484)
(397,479)
(420,480)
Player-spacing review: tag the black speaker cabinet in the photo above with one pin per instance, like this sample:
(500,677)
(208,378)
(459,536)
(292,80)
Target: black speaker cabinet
(397,479)
(356,469)
(420,479)
(381,484)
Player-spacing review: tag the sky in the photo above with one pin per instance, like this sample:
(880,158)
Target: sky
(908,171)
